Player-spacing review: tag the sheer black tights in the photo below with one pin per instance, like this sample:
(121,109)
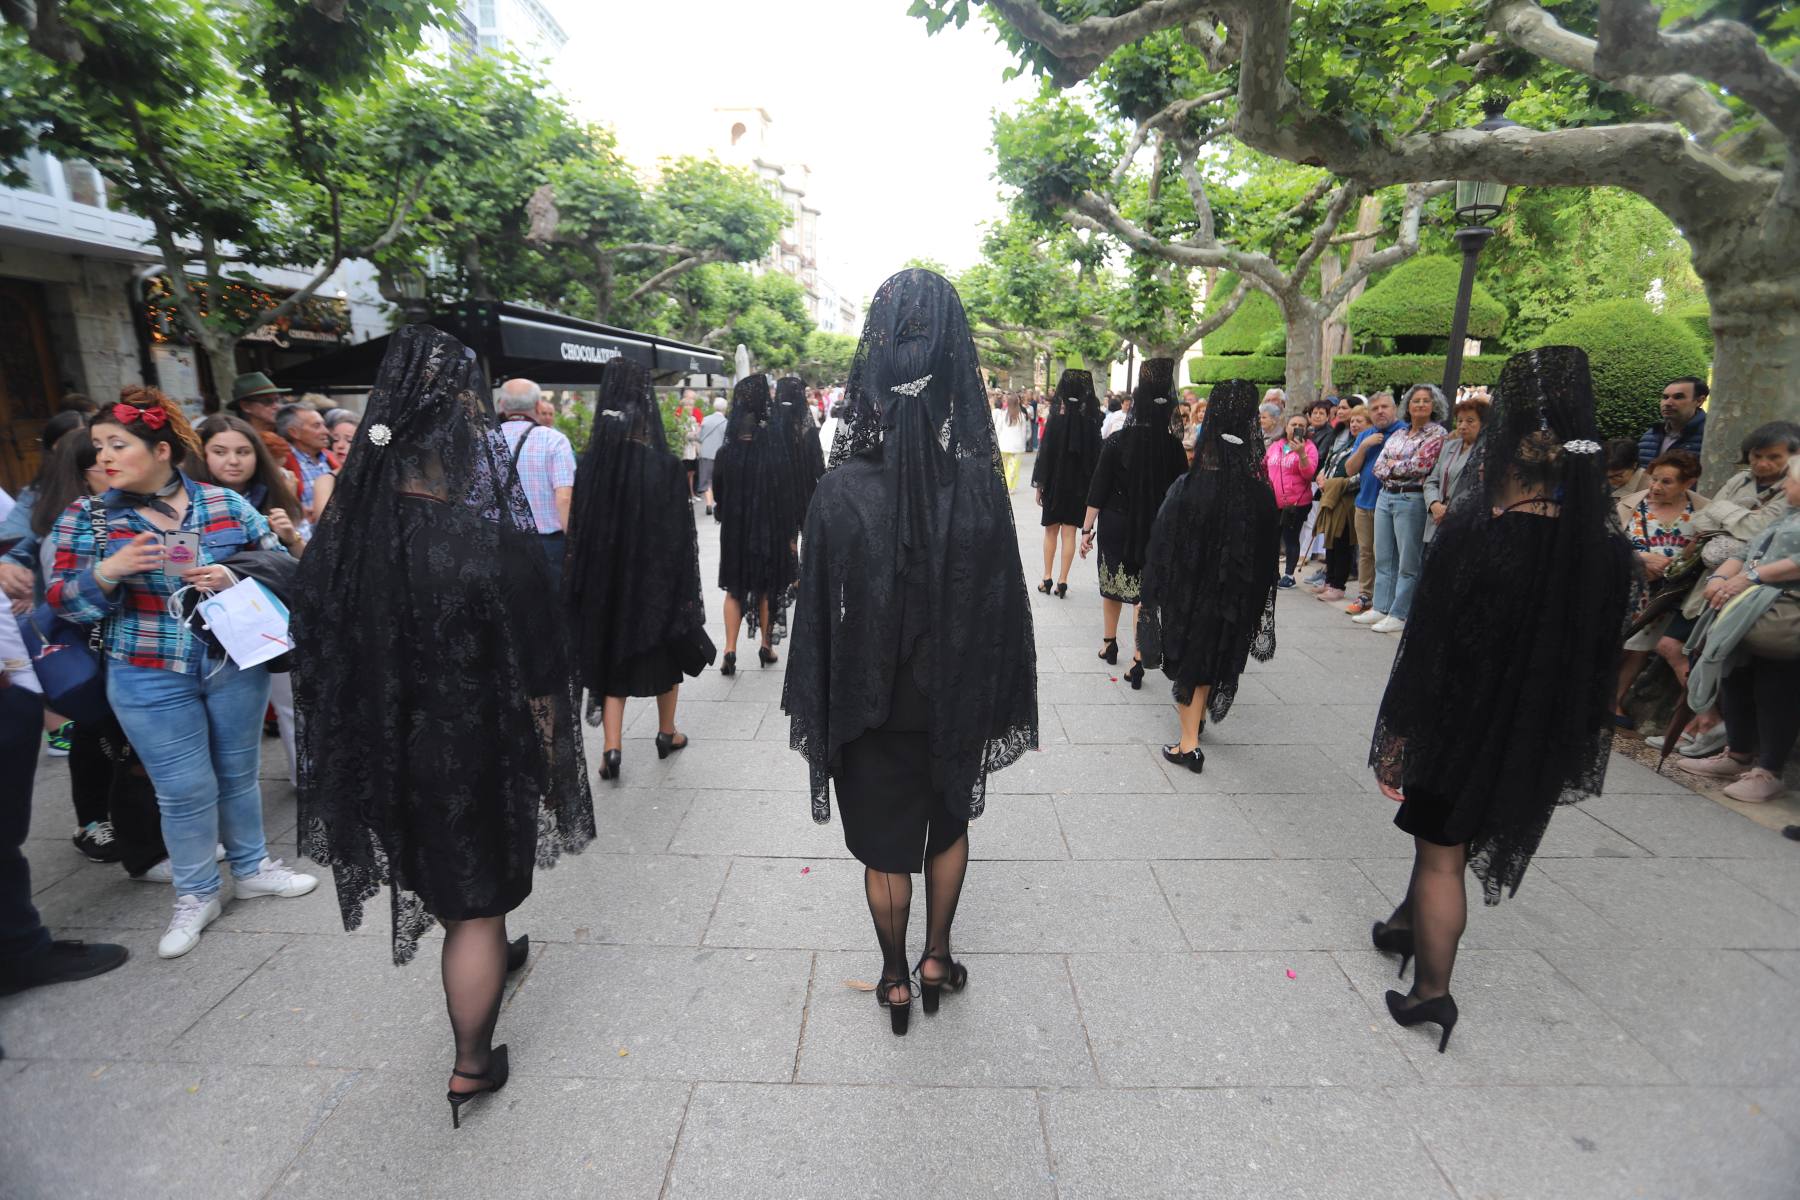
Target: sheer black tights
(890,906)
(474,979)
(1436,909)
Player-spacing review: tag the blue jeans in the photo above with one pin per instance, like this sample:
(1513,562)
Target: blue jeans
(200,738)
(1399,549)
(22,934)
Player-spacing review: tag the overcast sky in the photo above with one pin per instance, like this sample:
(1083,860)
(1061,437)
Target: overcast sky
(894,124)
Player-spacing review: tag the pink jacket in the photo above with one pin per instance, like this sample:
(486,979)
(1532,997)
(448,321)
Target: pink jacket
(1291,472)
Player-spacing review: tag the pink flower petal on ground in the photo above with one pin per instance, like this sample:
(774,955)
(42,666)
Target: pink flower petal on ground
(1291,975)
(806,870)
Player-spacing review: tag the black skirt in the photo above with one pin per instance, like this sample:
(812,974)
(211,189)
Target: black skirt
(893,811)
(1116,581)
(649,674)
(1428,815)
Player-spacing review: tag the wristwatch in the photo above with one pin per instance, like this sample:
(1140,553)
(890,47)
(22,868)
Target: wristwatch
(1752,576)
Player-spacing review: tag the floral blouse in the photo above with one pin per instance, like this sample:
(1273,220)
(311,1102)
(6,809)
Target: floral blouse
(1407,455)
(1649,535)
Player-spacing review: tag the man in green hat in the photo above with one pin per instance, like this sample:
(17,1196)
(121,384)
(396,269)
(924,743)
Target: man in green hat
(256,398)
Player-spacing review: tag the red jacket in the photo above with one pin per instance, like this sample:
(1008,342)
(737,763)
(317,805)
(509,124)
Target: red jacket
(1291,472)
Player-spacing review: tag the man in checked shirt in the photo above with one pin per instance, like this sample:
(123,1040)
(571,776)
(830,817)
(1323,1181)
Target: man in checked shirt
(545,462)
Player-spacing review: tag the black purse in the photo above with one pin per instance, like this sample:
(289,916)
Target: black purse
(67,658)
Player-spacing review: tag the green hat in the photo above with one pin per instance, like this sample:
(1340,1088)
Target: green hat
(254,386)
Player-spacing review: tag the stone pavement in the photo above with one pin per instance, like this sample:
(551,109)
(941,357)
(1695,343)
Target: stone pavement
(1172,988)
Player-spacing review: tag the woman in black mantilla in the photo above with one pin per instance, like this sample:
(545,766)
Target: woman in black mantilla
(1499,707)
(1211,569)
(439,739)
(1136,467)
(632,581)
(913,673)
(1065,467)
(794,417)
(753,490)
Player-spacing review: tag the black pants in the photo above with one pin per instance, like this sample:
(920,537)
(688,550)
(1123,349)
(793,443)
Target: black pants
(1292,521)
(22,933)
(1340,561)
(1760,702)
(553,554)
(90,773)
(117,790)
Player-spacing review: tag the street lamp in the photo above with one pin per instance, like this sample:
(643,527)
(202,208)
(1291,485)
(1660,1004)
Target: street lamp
(1477,203)
(414,291)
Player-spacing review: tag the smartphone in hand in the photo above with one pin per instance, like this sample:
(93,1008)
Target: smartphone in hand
(181,552)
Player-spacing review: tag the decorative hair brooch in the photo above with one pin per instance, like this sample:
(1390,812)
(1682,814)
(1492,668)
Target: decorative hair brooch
(913,388)
(1159,400)
(380,435)
(1233,438)
(155,418)
(1582,446)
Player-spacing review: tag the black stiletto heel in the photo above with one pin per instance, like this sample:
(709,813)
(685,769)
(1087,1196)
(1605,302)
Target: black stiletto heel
(1135,676)
(1109,651)
(1440,1011)
(1044,587)
(956,977)
(667,745)
(899,1015)
(1062,590)
(610,767)
(1393,941)
(517,951)
(1194,760)
(729,666)
(497,1073)
(765,656)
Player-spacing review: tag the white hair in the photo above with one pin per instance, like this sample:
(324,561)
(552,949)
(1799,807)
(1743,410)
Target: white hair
(519,396)
(718,404)
(1276,395)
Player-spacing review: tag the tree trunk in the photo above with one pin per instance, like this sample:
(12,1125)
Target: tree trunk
(221,368)
(1337,334)
(1756,357)
(1305,349)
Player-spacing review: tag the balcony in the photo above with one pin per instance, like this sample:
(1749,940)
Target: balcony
(63,208)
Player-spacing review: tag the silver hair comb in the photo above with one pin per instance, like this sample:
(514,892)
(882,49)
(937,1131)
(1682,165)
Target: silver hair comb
(913,388)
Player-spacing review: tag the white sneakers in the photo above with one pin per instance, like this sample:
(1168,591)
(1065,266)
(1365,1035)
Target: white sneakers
(192,915)
(274,879)
(1755,786)
(1388,625)
(1370,617)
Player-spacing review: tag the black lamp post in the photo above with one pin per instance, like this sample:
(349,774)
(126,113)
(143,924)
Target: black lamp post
(414,291)
(1477,203)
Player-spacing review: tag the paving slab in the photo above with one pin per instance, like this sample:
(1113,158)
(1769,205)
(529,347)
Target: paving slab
(1777,880)
(1159,826)
(539,1138)
(169,1129)
(1255,770)
(824,1143)
(757,824)
(637,820)
(1345,823)
(1058,907)
(1224,1143)
(1324,904)
(787,902)
(700,720)
(1081,770)
(1542,914)
(640,899)
(1676,902)
(1686,825)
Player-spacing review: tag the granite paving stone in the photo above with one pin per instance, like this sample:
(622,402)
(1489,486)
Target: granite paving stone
(1322,904)
(1680,902)
(1159,826)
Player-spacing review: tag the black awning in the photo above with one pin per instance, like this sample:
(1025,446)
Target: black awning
(516,340)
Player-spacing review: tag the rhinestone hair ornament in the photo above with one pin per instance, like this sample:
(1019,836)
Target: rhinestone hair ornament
(1582,446)
(913,388)
(380,435)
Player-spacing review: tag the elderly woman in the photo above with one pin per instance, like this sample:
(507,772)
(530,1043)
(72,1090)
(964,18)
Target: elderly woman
(1469,415)
(1407,457)
(1337,506)
(1660,523)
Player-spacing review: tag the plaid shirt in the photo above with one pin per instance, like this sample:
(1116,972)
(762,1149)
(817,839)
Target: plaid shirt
(546,463)
(136,626)
(310,470)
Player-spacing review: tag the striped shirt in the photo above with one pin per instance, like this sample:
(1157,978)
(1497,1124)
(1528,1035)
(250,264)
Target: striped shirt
(546,463)
(136,626)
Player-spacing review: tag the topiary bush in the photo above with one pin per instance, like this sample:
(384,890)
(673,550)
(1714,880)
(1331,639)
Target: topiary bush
(1256,318)
(1632,352)
(1216,368)
(1370,373)
(1698,318)
(1417,299)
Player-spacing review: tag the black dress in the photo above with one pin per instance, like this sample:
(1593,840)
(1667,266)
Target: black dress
(754,490)
(1069,450)
(1120,489)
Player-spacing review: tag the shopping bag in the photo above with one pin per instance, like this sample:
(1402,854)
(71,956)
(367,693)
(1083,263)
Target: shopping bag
(250,623)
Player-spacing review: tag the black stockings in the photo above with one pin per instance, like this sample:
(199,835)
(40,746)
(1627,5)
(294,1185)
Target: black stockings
(890,905)
(474,979)
(1436,909)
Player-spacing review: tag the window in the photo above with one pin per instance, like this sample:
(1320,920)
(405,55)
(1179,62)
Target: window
(737,131)
(35,167)
(84,183)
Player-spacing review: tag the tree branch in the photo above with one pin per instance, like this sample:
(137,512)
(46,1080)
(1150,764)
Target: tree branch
(1213,320)
(670,272)
(1406,244)
(1167,117)
(1341,201)
(1189,164)
(1093,212)
(1077,47)
(1726,52)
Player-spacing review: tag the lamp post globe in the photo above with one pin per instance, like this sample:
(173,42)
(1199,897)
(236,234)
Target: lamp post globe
(1478,202)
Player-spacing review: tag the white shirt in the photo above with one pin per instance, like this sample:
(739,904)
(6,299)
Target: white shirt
(1011,435)
(1114,422)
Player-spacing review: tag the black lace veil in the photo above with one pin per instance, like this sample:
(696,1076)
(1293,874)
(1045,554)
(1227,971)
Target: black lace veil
(753,488)
(911,555)
(1150,453)
(1210,575)
(1501,697)
(438,735)
(801,437)
(1070,447)
(632,579)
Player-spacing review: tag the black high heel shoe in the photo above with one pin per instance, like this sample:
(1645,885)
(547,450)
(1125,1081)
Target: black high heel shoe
(1440,1011)
(729,666)
(1044,587)
(499,1069)
(1393,941)
(1135,676)
(1109,651)
(610,767)
(517,951)
(956,978)
(1062,590)
(899,1015)
(765,656)
(1194,760)
(667,745)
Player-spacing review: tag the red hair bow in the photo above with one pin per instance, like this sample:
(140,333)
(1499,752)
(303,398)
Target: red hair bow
(125,414)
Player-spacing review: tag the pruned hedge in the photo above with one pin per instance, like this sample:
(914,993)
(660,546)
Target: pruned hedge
(1257,317)
(1632,350)
(1370,373)
(1418,299)
(1257,368)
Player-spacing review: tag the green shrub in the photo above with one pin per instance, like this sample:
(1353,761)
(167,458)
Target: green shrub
(1370,373)
(1216,368)
(1273,344)
(1417,299)
(1632,352)
(1698,319)
(1256,318)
